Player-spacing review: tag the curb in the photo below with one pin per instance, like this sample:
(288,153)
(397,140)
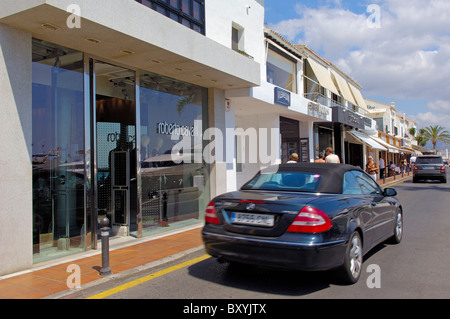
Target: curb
(126,273)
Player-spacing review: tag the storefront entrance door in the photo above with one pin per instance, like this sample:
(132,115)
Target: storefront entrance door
(116,146)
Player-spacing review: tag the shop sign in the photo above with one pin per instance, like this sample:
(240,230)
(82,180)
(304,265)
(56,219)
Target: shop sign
(318,108)
(165,128)
(352,119)
(282,97)
(348,117)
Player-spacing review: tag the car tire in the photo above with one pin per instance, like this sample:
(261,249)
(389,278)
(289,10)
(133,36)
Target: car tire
(351,270)
(444,180)
(398,229)
(415,180)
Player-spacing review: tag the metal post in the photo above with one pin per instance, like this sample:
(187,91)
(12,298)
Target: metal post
(105,270)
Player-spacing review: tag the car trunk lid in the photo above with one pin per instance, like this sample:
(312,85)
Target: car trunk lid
(260,213)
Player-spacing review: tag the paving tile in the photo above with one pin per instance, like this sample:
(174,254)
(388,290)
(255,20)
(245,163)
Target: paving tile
(51,280)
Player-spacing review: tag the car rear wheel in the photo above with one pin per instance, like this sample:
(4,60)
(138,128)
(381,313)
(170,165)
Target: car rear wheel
(398,230)
(351,269)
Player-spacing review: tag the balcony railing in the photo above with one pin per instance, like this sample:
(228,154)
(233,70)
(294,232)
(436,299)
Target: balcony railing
(321,99)
(314,89)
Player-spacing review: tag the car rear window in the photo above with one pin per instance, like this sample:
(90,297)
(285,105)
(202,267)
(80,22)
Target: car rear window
(285,181)
(429,160)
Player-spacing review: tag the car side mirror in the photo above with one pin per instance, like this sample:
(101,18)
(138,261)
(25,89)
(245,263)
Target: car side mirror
(389,192)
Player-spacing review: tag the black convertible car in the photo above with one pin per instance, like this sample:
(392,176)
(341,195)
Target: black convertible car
(306,216)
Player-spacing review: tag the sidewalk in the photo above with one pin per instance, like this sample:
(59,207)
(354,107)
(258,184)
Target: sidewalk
(49,279)
(393,179)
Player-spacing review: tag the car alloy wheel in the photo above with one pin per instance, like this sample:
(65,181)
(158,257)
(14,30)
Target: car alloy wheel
(399,227)
(351,269)
(398,230)
(355,255)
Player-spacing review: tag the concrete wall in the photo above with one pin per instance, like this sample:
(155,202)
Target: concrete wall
(15,144)
(266,146)
(247,15)
(222,120)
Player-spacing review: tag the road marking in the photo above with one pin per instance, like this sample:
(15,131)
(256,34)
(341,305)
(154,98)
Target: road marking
(139,281)
(394,183)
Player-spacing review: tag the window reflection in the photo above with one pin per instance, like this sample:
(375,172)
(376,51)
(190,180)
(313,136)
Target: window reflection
(58,155)
(173,185)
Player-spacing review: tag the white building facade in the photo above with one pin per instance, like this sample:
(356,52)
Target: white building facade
(95,99)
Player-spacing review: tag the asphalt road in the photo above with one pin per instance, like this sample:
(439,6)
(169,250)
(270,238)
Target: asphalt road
(416,268)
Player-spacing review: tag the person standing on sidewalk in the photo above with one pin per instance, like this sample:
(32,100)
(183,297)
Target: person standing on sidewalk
(320,159)
(330,157)
(382,167)
(293,158)
(372,168)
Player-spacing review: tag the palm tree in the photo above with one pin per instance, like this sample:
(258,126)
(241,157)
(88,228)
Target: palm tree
(436,133)
(419,137)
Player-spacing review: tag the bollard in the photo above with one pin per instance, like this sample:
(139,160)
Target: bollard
(105,270)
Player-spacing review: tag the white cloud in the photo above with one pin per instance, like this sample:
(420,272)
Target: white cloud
(439,105)
(429,118)
(408,57)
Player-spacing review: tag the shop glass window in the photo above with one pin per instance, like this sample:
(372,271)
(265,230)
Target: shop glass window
(173,177)
(281,71)
(59,226)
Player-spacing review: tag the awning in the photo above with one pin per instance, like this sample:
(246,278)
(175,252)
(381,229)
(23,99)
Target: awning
(359,98)
(366,139)
(344,88)
(406,149)
(323,76)
(391,148)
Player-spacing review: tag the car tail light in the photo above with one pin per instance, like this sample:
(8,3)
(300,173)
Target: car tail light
(310,220)
(211,214)
(416,168)
(443,169)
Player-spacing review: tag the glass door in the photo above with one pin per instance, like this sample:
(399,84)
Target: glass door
(115,132)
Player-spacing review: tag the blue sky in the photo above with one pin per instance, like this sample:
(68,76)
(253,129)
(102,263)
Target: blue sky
(398,50)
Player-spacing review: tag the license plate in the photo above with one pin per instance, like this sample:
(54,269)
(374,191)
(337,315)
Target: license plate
(253,219)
